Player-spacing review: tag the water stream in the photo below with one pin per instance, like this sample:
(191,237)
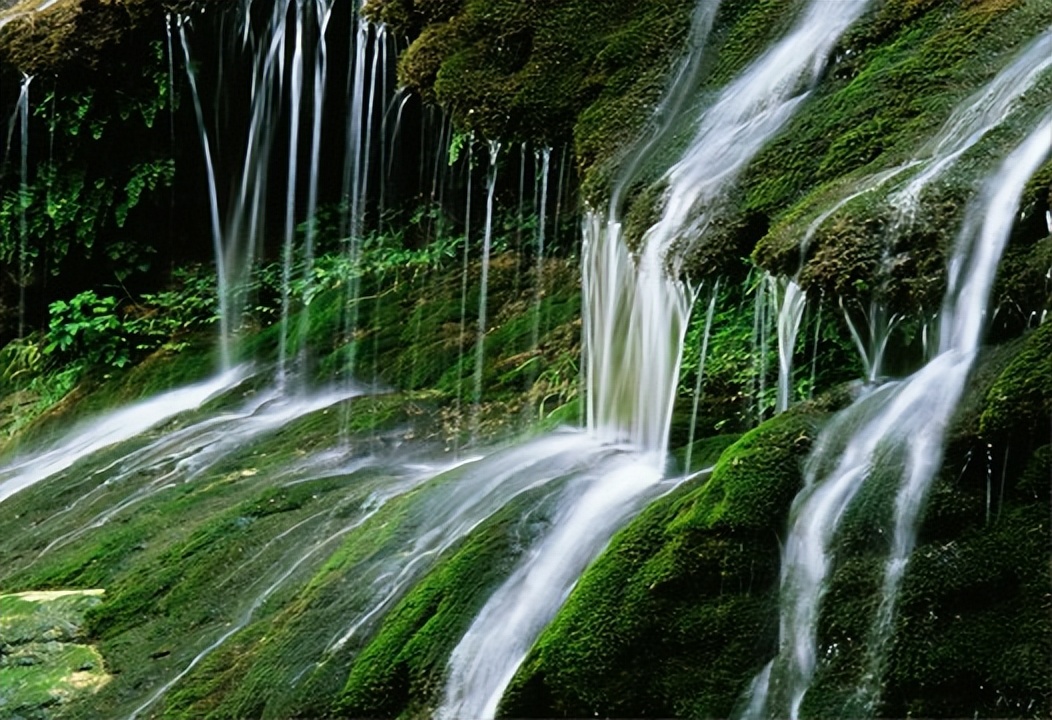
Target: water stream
(110,429)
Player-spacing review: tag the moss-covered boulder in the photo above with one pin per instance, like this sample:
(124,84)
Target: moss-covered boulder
(681,610)
(77,36)
(971,628)
(543,72)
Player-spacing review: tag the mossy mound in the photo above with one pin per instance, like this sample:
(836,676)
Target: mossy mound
(1019,405)
(977,579)
(541,72)
(691,584)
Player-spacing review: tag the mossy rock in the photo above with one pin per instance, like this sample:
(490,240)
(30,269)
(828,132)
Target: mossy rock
(80,35)
(1019,405)
(895,76)
(691,583)
(541,72)
(44,662)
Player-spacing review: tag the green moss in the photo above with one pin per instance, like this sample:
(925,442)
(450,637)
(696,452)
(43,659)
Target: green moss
(541,72)
(897,74)
(1019,405)
(986,589)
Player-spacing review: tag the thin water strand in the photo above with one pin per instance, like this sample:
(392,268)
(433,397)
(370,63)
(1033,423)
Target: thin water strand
(487,239)
(788,304)
(699,381)
(23,201)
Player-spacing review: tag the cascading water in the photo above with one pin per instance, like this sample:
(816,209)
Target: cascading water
(356,175)
(279,58)
(635,320)
(226,319)
(975,118)
(497,642)
(110,429)
(908,419)
(872,343)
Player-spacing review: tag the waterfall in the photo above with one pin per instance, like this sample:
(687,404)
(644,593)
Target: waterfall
(635,318)
(357,152)
(908,418)
(874,345)
(295,110)
(292,49)
(226,322)
(636,310)
(321,66)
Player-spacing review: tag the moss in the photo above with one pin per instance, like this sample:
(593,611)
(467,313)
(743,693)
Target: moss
(965,588)
(1019,405)
(986,589)
(72,36)
(543,73)
(704,452)
(690,584)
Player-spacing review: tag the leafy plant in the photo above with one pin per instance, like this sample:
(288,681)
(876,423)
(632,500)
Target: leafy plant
(87,327)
